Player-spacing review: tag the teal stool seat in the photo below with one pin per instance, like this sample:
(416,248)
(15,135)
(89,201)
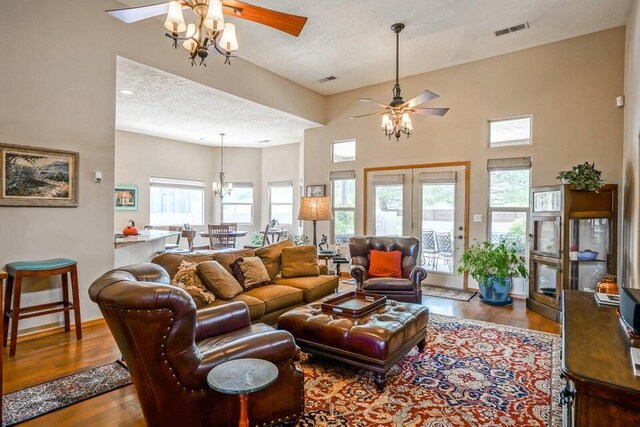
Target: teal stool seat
(49,264)
(13,311)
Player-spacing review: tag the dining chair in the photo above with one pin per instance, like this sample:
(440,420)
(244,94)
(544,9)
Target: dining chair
(219,236)
(233,227)
(176,245)
(445,249)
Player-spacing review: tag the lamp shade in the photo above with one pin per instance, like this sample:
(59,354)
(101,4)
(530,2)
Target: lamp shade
(214,19)
(228,41)
(315,209)
(175,20)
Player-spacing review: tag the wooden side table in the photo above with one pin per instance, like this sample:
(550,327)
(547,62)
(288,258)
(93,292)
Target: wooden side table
(241,377)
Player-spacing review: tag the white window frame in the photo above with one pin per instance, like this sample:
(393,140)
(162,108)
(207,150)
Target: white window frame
(279,184)
(342,176)
(508,164)
(235,185)
(513,143)
(177,183)
(333,144)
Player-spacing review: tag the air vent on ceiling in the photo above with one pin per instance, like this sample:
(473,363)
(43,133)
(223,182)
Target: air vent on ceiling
(513,29)
(328,79)
(264,141)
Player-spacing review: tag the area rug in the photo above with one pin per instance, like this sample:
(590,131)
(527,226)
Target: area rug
(471,374)
(32,402)
(449,293)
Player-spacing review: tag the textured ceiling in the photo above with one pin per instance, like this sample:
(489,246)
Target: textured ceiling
(351,38)
(169,106)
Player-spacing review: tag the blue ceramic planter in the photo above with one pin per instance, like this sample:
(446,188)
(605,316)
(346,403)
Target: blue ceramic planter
(496,291)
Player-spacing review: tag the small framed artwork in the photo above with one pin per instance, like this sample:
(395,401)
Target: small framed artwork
(125,198)
(316,190)
(32,176)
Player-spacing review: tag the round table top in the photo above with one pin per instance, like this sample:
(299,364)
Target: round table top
(239,233)
(242,376)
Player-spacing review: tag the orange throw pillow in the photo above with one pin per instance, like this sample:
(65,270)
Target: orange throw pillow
(385,264)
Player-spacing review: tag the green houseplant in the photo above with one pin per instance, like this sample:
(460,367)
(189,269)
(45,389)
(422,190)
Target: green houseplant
(493,267)
(584,177)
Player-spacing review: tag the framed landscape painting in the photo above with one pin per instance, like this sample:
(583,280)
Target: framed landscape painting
(32,176)
(125,198)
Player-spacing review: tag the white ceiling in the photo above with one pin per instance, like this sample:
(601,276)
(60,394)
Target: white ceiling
(169,106)
(351,39)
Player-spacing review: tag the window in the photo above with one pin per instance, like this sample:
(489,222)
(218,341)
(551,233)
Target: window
(281,202)
(343,151)
(509,183)
(238,206)
(388,195)
(176,202)
(512,131)
(343,194)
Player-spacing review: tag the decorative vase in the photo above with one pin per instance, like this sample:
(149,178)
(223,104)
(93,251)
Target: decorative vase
(607,284)
(495,291)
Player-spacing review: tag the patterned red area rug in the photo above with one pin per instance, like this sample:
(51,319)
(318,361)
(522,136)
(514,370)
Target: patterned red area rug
(471,374)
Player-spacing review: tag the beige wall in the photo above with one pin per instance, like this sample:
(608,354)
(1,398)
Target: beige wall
(631,163)
(569,87)
(57,80)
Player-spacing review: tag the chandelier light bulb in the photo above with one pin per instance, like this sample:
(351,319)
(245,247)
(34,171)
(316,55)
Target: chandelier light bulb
(228,41)
(192,33)
(386,121)
(406,118)
(214,19)
(175,20)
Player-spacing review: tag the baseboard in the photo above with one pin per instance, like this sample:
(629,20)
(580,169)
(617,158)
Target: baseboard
(52,329)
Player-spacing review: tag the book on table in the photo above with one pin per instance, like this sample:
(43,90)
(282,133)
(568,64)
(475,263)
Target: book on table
(607,299)
(635,360)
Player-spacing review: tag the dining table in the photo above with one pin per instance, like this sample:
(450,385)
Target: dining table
(237,233)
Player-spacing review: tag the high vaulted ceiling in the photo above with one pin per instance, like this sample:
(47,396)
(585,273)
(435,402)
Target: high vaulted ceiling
(351,39)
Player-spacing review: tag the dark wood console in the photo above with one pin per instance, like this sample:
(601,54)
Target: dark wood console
(601,388)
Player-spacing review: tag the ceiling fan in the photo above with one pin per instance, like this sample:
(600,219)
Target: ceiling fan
(396,117)
(209,30)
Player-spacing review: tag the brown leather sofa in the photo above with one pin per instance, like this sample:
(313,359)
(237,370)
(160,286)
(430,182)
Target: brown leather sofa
(170,347)
(408,288)
(265,303)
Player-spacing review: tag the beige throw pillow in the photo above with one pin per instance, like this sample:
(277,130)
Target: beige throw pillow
(187,278)
(251,272)
(299,261)
(270,256)
(218,280)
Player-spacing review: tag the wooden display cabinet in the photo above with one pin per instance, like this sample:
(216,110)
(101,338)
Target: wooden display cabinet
(565,224)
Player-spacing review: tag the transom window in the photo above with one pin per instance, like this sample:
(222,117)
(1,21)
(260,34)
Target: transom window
(238,206)
(176,202)
(511,131)
(343,151)
(281,202)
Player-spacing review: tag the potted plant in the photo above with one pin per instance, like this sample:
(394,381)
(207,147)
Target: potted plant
(493,267)
(584,177)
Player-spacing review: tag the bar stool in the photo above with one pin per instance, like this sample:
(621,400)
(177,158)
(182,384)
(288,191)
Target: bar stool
(51,267)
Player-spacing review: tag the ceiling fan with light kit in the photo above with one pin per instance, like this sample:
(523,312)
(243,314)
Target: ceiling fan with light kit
(209,31)
(396,117)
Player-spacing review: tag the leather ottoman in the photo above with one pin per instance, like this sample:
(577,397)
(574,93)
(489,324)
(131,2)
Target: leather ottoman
(375,341)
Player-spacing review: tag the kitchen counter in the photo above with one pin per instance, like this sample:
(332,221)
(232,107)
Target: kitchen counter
(140,248)
(144,236)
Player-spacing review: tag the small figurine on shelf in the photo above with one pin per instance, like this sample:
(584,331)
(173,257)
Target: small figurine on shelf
(131,229)
(323,245)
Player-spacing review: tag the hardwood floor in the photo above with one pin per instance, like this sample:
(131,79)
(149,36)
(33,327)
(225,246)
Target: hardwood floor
(55,356)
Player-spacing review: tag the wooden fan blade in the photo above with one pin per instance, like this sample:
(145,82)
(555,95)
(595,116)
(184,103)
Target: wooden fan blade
(135,14)
(420,99)
(379,104)
(430,111)
(367,115)
(290,24)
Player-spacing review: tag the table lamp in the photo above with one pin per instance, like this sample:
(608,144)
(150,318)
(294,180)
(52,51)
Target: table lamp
(315,209)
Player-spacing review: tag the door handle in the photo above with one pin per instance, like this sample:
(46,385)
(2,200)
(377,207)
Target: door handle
(460,228)
(460,236)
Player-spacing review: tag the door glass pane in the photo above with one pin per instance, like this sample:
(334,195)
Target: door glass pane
(509,227)
(388,199)
(509,188)
(437,225)
(547,237)
(547,201)
(546,279)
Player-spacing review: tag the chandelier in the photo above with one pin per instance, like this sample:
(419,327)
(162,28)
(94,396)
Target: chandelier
(207,32)
(221,188)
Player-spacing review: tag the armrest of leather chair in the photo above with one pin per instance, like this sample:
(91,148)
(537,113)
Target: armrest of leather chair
(219,320)
(418,274)
(359,273)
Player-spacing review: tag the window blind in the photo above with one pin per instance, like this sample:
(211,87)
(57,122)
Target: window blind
(280,183)
(438,177)
(387,179)
(342,175)
(176,183)
(509,164)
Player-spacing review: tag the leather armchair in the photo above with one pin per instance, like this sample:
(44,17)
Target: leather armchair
(170,347)
(408,288)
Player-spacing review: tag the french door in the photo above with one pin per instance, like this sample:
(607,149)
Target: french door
(427,202)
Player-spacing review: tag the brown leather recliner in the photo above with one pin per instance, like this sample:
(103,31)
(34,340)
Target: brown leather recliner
(169,348)
(407,288)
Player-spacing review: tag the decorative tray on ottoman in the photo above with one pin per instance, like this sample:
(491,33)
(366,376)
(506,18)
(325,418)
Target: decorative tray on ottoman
(353,304)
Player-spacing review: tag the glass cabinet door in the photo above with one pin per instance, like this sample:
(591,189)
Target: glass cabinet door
(546,279)
(547,201)
(546,236)
(589,251)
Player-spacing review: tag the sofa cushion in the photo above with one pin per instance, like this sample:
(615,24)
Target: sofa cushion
(313,288)
(228,257)
(171,261)
(218,280)
(276,297)
(299,261)
(256,306)
(388,284)
(250,272)
(270,256)
(385,264)
(187,278)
